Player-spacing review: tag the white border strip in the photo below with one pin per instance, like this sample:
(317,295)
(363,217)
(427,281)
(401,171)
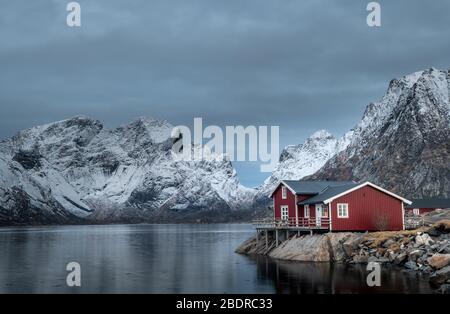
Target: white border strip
(369,184)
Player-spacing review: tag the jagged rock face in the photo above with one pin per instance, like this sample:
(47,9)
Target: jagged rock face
(298,161)
(403,141)
(72,169)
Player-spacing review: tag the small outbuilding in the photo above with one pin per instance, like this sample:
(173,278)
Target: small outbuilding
(423,206)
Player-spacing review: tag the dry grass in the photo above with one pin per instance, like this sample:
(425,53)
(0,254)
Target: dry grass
(442,225)
(379,237)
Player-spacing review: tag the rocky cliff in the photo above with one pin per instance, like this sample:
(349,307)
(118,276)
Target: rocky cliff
(403,141)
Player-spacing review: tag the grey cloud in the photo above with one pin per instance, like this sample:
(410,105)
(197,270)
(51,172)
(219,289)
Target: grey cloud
(229,61)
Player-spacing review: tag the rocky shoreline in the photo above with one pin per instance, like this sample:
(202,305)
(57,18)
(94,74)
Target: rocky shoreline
(424,250)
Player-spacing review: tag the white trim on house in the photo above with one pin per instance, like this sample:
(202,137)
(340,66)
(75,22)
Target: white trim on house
(318,213)
(404,200)
(330,209)
(403,216)
(278,185)
(296,211)
(274,209)
(344,206)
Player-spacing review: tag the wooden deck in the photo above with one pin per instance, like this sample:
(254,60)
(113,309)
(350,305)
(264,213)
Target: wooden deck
(282,229)
(294,224)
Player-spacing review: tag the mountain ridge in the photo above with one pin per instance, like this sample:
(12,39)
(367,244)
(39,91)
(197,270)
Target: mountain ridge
(78,167)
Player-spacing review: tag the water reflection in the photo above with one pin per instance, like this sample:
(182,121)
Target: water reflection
(167,259)
(312,278)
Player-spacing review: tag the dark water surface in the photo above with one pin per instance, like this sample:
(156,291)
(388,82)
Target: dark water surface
(170,259)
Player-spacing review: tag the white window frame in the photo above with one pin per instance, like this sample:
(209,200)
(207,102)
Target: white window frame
(283,192)
(416,211)
(284,212)
(342,206)
(306,211)
(324,212)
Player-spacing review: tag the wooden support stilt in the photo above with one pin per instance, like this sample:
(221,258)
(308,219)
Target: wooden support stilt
(276,237)
(267,240)
(257,236)
(287,234)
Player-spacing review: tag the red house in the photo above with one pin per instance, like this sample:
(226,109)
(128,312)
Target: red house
(423,206)
(337,206)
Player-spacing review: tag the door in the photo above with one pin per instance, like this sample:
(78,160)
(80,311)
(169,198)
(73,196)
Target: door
(319,210)
(284,213)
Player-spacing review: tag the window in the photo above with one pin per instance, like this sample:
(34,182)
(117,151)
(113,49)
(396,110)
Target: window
(283,192)
(416,212)
(284,212)
(324,211)
(306,211)
(342,210)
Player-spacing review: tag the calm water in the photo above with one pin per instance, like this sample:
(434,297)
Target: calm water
(169,259)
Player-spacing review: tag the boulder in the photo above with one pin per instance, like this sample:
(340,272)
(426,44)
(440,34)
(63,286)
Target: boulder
(360,259)
(440,276)
(388,243)
(423,239)
(351,244)
(391,255)
(308,248)
(415,254)
(439,261)
(336,241)
(395,247)
(411,265)
(400,258)
(427,269)
(381,252)
(444,247)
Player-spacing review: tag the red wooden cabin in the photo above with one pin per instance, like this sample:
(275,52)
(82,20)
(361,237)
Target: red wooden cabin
(423,206)
(337,206)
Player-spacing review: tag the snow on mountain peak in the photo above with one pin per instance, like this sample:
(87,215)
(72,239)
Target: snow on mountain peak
(158,131)
(402,140)
(321,134)
(298,161)
(75,168)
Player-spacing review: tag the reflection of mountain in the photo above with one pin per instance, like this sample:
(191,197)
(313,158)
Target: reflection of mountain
(326,278)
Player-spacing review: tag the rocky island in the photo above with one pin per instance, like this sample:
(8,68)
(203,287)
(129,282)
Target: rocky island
(426,249)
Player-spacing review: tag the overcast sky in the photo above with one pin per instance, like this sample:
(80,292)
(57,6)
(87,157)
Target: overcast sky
(302,65)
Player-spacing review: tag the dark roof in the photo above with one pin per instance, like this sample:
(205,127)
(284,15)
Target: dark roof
(432,202)
(329,192)
(312,187)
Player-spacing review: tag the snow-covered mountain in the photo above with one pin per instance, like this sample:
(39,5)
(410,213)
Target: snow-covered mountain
(299,161)
(75,169)
(402,141)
